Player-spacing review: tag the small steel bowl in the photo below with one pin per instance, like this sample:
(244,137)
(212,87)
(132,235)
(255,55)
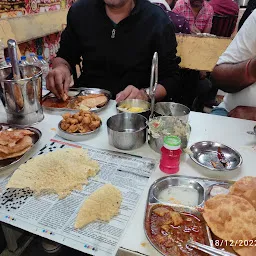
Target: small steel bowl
(134,103)
(127,131)
(172,109)
(77,136)
(205,153)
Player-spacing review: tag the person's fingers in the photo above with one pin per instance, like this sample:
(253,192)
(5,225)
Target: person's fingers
(144,95)
(67,82)
(124,94)
(59,79)
(120,96)
(134,94)
(50,85)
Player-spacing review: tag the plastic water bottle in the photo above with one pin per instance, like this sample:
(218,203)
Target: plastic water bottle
(32,59)
(44,67)
(2,58)
(23,60)
(8,61)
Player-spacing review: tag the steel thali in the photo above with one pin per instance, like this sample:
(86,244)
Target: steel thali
(183,194)
(215,156)
(35,139)
(73,93)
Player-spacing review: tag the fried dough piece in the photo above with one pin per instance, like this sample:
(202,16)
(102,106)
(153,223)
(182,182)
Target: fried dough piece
(23,143)
(230,217)
(11,137)
(6,156)
(246,188)
(93,100)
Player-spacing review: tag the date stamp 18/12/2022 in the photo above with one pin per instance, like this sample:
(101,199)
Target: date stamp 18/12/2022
(220,243)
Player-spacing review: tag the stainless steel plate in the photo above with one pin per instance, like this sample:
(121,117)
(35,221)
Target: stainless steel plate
(201,186)
(205,153)
(167,190)
(73,92)
(76,136)
(35,138)
(181,209)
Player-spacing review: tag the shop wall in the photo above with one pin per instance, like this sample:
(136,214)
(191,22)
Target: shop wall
(46,46)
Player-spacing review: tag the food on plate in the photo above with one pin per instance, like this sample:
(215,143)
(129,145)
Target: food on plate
(162,126)
(14,143)
(171,230)
(86,102)
(218,190)
(126,108)
(249,248)
(53,102)
(81,122)
(60,172)
(230,217)
(103,204)
(83,102)
(246,188)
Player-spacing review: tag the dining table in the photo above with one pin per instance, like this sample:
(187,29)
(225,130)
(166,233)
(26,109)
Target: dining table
(204,127)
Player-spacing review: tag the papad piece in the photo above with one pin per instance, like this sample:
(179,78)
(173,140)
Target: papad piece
(13,155)
(230,217)
(246,188)
(60,172)
(25,142)
(103,204)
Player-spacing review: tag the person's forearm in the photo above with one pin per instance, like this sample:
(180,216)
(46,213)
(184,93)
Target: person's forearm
(233,77)
(60,61)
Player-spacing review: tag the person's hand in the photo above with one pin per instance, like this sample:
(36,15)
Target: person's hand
(243,112)
(194,30)
(131,92)
(58,81)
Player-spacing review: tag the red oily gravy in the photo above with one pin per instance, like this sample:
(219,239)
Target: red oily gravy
(53,102)
(170,231)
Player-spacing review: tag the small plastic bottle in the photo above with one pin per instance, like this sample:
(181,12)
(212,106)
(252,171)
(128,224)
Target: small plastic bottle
(44,67)
(8,61)
(23,60)
(170,158)
(2,58)
(32,60)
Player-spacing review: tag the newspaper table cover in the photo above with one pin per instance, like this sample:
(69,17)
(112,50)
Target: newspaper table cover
(54,219)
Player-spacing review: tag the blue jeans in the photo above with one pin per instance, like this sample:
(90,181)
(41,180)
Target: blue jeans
(219,112)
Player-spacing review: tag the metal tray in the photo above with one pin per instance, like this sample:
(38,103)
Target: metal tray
(35,138)
(205,153)
(201,186)
(73,92)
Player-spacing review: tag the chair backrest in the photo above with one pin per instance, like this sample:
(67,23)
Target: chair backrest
(223,25)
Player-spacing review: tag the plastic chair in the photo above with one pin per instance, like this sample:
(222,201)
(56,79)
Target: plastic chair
(223,25)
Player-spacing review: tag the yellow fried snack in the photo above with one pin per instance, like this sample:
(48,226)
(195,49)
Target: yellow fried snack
(82,122)
(230,217)
(246,188)
(60,172)
(103,204)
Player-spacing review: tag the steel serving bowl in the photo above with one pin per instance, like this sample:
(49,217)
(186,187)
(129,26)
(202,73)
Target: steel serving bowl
(129,103)
(127,131)
(77,136)
(172,109)
(205,153)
